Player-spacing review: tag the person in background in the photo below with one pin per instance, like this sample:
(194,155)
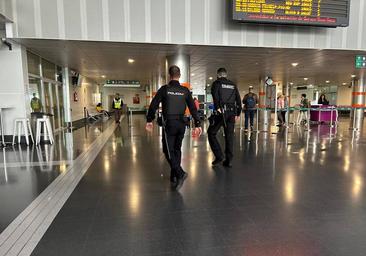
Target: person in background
(304,103)
(250,102)
(281,110)
(323,100)
(100,109)
(196,103)
(36,104)
(117,105)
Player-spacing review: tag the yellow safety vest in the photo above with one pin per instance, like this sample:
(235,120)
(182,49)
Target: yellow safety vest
(117,103)
(36,104)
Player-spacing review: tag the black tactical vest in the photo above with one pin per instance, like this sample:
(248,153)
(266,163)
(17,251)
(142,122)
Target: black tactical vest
(227,91)
(175,100)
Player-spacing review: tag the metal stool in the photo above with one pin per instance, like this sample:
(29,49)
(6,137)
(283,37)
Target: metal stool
(24,123)
(47,130)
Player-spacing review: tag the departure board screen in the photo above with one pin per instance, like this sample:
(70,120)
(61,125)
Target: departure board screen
(327,13)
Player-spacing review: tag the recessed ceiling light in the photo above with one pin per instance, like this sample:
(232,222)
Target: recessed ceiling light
(131,60)
(291,83)
(294,64)
(327,81)
(193,74)
(353,76)
(103,76)
(344,83)
(305,78)
(210,78)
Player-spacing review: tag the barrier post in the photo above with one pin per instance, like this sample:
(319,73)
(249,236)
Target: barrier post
(130,117)
(331,117)
(257,119)
(308,120)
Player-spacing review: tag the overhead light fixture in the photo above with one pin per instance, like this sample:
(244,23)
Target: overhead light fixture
(353,76)
(103,76)
(210,78)
(291,83)
(193,74)
(131,60)
(294,64)
(305,78)
(327,81)
(344,83)
(311,86)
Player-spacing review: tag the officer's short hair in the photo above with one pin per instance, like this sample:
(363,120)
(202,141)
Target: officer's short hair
(303,95)
(174,71)
(221,72)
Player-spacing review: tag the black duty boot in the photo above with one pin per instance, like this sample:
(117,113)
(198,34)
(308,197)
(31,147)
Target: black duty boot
(217,161)
(181,180)
(227,163)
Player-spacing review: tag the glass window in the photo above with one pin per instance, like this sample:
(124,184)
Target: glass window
(33,63)
(48,70)
(59,74)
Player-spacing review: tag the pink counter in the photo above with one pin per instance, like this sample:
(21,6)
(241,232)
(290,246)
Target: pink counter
(323,113)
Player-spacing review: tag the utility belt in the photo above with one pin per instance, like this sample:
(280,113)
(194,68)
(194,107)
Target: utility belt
(171,117)
(229,108)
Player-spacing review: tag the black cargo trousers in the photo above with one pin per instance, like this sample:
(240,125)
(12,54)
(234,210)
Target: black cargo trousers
(174,132)
(216,122)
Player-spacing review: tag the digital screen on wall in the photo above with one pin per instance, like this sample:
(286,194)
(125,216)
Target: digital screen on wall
(324,13)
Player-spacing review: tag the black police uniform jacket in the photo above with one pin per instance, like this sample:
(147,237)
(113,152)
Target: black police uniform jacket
(174,98)
(226,93)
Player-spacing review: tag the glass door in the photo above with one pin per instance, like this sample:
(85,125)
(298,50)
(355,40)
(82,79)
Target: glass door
(55,107)
(60,95)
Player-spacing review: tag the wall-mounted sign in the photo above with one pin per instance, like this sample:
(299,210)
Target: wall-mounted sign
(122,84)
(360,61)
(327,13)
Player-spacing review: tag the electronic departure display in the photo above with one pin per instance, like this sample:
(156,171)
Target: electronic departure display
(326,13)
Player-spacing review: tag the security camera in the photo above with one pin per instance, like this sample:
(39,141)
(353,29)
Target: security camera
(8,44)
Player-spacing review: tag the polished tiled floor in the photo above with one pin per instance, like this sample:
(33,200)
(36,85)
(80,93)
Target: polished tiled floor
(26,171)
(288,194)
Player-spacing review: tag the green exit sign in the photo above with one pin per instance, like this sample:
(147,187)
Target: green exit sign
(360,61)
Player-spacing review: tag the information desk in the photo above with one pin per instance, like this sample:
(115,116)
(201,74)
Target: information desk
(323,113)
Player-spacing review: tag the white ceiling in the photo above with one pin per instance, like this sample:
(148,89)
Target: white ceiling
(245,65)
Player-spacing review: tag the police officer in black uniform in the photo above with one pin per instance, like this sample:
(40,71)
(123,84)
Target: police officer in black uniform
(174,98)
(227,104)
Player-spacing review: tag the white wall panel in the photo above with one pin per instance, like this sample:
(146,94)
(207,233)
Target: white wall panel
(94,15)
(252,35)
(178,27)
(353,28)
(25,15)
(178,21)
(216,21)
(137,20)
(197,21)
(269,35)
(72,19)
(6,8)
(116,20)
(158,20)
(49,18)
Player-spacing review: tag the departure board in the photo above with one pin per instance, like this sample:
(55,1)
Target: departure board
(327,13)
